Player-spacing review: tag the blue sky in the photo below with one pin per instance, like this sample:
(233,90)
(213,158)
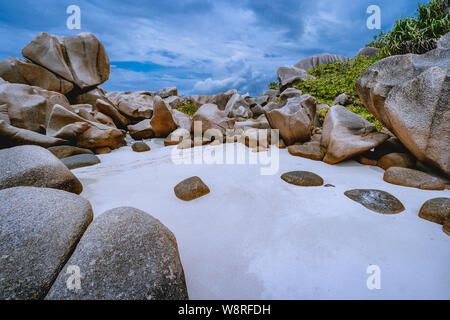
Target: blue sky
(202,46)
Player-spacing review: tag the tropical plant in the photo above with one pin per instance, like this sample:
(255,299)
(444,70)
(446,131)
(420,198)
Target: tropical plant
(331,79)
(188,108)
(415,34)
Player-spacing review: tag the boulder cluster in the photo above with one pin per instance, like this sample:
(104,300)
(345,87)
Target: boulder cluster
(54,117)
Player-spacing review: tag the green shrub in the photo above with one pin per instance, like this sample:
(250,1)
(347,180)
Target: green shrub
(415,34)
(338,77)
(188,108)
(273,85)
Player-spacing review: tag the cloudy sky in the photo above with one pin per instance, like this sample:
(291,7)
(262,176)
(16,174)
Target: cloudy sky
(202,46)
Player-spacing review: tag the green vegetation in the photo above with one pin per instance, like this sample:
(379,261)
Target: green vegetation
(415,34)
(188,108)
(273,85)
(332,79)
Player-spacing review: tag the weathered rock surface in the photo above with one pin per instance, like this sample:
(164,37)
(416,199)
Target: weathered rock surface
(212,118)
(303,178)
(436,210)
(403,160)
(141,130)
(84,133)
(446,227)
(177,136)
(288,76)
(11,136)
(368,51)
(312,62)
(391,145)
(80,160)
(237,106)
(409,94)
(108,109)
(140,147)
(346,134)
(102,150)
(310,150)
(67,151)
(162,121)
(221,99)
(412,178)
(37,167)
(81,60)
(167,92)
(343,99)
(30,107)
(181,119)
(191,188)
(295,120)
(376,200)
(15,70)
(125,254)
(289,93)
(39,228)
(137,105)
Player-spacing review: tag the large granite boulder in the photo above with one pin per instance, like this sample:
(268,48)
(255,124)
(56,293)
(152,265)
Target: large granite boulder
(125,254)
(89,97)
(141,130)
(237,106)
(162,121)
(15,70)
(346,134)
(288,76)
(81,60)
(167,92)
(412,178)
(295,120)
(368,51)
(36,167)
(30,107)
(137,105)
(312,62)
(84,133)
(39,228)
(410,95)
(212,118)
(181,119)
(90,113)
(11,136)
(221,99)
(201,100)
(109,109)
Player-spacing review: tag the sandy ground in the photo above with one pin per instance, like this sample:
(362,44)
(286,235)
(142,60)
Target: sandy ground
(257,237)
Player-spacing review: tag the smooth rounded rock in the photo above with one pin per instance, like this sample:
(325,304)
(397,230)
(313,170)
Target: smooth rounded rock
(39,228)
(412,178)
(125,254)
(191,188)
(376,200)
(140,147)
(80,160)
(436,210)
(303,179)
(310,150)
(35,166)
